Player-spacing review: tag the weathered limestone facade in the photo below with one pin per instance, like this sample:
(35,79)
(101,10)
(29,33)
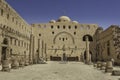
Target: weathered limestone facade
(62,39)
(62,36)
(14,34)
(108,44)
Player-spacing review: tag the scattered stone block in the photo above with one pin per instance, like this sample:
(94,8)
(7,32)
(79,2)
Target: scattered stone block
(5,66)
(21,64)
(116,72)
(15,64)
(98,64)
(95,65)
(103,66)
(109,66)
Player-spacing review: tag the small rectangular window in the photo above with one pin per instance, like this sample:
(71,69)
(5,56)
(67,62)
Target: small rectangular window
(108,51)
(1,11)
(108,43)
(8,16)
(15,42)
(12,19)
(63,27)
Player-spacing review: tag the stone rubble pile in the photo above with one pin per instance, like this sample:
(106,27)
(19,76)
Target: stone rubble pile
(107,67)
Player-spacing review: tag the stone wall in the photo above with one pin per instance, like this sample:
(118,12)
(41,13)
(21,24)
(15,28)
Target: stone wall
(62,36)
(15,31)
(107,45)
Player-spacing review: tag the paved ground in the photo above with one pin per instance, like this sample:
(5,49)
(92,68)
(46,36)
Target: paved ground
(57,71)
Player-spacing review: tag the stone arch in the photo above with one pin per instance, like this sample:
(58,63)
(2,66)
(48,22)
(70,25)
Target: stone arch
(90,38)
(64,33)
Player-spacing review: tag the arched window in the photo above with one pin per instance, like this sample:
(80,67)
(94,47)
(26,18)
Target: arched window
(2,12)
(74,33)
(90,38)
(58,26)
(53,32)
(39,34)
(8,16)
(69,27)
(75,27)
(64,27)
(63,39)
(51,26)
(15,42)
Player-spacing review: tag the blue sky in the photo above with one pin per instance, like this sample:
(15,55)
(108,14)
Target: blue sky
(101,12)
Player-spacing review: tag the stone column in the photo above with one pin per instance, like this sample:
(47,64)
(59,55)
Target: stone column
(45,51)
(31,49)
(90,57)
(87,50)
(38,48)
(42,49)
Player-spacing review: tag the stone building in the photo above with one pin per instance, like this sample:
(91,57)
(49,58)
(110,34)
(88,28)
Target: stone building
(62,37)
(14,34)
(107,45)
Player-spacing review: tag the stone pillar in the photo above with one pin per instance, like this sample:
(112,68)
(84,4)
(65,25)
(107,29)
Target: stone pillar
(99,64)
(103,66)
(6,61)
(21,62)
(45,51)
(90,57)
(15,64)
(42,49)
(38,48)
(87,51)
(5,65)
(31,49)
(109,66)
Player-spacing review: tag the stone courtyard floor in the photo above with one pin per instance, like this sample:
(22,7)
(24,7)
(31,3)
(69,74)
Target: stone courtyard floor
(58,71)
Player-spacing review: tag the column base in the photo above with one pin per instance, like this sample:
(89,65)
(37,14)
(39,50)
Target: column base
(109,70)
(5,66)
(15,65)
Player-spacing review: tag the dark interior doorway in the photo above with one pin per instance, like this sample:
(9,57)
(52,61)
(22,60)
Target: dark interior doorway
(4,49)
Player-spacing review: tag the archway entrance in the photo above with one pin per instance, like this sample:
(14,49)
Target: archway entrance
(87,38)
(5,55)
(4,49)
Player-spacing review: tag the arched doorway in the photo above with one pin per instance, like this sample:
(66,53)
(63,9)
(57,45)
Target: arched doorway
(87,38)
(4,49)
